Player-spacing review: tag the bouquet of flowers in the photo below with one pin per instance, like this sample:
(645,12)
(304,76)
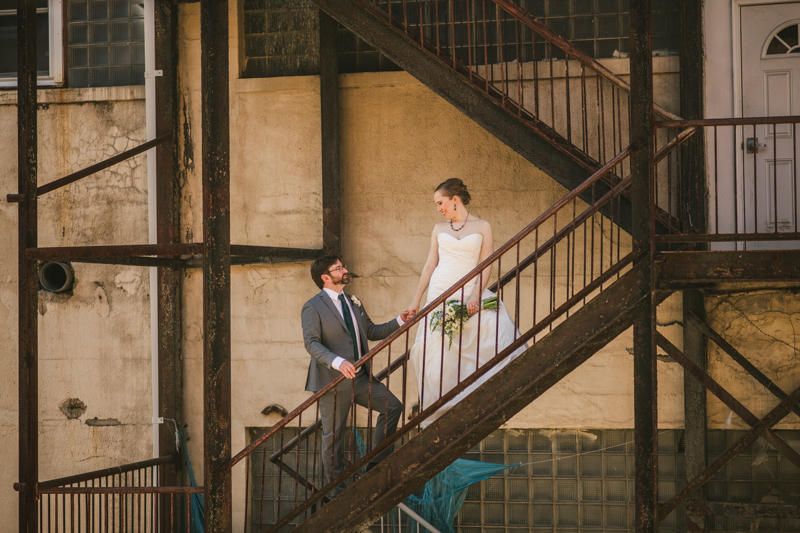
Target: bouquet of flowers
(455,313)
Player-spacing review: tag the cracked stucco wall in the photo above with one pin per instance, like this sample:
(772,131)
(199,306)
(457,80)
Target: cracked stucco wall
(765,328)
(94,342)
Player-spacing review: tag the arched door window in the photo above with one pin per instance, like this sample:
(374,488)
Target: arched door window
(784,41)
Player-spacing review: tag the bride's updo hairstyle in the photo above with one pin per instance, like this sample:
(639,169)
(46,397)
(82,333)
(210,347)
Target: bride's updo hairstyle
(454,187)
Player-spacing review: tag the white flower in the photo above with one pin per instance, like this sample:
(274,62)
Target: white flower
(355,300)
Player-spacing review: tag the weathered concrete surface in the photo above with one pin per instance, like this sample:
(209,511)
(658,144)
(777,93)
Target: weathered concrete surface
(765,328)
(95,341)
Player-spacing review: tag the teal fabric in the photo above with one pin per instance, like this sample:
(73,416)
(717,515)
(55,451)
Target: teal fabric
(198,511)
(348,320)
(443,495)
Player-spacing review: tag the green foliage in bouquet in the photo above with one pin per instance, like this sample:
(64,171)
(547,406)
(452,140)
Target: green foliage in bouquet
(454,314)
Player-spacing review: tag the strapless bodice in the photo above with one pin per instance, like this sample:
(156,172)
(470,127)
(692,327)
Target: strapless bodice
(456,258)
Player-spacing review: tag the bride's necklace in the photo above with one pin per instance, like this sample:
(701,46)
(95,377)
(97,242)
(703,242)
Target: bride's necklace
(462,225)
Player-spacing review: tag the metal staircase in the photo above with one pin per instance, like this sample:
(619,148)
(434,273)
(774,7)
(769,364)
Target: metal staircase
(563,319)
(528,86)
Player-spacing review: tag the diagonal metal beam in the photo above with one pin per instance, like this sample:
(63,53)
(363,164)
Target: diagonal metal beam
(772,418)
(768,384)
(516,386)
(726,398)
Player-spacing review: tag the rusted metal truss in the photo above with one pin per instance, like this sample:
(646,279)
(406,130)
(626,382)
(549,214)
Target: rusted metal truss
(727,398)
(772,418)
(728,271)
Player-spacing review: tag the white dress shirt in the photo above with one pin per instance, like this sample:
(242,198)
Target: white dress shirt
(338,304)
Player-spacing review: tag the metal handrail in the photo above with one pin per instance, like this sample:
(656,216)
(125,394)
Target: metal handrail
(105,472)
(545,31)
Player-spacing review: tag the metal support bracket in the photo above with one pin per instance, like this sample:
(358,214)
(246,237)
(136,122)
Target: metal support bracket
(153,73)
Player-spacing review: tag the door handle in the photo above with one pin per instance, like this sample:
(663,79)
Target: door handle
(752,146)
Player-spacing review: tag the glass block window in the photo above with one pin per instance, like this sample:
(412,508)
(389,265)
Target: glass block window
(281,38)
(785,41)
(757,475)
(600,28)
(48,41)
(568,481)
(105,43)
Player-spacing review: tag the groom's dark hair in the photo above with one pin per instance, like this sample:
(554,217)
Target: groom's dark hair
(321,266)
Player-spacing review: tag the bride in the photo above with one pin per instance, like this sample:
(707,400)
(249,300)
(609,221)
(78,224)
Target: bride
(457,246)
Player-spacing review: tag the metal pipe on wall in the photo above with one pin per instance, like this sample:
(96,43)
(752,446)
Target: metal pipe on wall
(152,202)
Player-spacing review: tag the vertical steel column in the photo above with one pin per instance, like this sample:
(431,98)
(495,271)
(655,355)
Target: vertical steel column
(329,114)
(216,264)
(692,180)
(169,279)
(693,183)
(27,154)
(644,348)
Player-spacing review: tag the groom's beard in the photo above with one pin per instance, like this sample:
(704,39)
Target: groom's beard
(344,280)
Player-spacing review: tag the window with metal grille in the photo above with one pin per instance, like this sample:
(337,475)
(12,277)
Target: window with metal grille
(281,36)
(600,28)
(48,42)
(105,43)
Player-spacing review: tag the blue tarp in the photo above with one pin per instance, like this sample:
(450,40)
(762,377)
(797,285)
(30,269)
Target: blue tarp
(444,494)
(198,512)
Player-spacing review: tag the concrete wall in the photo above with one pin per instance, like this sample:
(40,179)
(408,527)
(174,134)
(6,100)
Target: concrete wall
(763,326)
(94,342)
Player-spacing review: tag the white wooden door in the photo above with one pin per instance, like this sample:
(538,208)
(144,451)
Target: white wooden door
(770,74)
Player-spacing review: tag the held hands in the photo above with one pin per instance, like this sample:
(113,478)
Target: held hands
(409,313)
(348,369)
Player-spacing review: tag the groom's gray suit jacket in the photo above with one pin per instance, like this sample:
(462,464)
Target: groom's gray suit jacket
(326,337)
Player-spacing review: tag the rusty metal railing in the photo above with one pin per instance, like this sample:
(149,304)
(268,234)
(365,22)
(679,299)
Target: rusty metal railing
(568,97)
(546,272)
(753,189)
(123,498)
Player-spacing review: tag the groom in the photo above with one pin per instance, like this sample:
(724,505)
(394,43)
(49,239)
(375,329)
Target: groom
(335,332)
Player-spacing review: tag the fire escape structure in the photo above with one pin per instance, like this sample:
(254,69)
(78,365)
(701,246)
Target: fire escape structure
(634,229)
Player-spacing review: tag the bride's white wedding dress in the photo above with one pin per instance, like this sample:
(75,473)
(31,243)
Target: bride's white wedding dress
(456,259)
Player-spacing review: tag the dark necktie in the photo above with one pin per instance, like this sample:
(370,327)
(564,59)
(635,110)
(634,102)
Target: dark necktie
(348,320)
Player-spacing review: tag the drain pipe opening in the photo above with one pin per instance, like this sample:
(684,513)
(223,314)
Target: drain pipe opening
(56,277)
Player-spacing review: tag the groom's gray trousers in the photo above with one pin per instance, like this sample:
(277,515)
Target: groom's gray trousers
(335,419)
